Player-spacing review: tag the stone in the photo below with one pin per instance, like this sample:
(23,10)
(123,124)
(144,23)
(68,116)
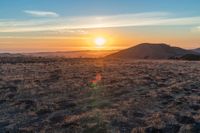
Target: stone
(172,128)
(185,119)
(152,130)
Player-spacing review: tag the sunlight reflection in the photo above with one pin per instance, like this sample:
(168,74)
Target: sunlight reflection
(96,80)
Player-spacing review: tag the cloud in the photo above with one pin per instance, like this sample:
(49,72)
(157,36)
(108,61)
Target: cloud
(197,29)
(41,13)
(89,22)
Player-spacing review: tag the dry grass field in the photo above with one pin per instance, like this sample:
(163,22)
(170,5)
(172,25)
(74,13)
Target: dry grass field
(99,96)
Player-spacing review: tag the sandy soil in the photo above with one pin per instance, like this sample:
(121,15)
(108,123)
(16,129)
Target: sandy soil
(100,96)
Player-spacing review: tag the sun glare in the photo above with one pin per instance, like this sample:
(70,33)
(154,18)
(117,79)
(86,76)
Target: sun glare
(100,41)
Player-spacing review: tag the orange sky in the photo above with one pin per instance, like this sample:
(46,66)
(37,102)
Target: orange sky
(116,38)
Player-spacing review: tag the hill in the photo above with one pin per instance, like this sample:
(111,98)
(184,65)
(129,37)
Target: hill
(151,51)
(196,50)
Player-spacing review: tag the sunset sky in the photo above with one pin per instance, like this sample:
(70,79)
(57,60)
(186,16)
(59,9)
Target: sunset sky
(68,25)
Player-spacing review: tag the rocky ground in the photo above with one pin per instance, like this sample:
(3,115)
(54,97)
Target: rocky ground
(100,96)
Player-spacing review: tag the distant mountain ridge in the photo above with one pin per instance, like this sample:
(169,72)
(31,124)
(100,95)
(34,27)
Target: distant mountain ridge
(151,51)
(64,54)
(196,50)
(74,54)
(10,55)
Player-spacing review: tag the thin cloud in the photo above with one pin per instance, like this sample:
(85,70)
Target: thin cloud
(89,22)
(197,29)
(41,13)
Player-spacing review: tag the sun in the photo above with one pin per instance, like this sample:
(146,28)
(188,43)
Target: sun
(100,41)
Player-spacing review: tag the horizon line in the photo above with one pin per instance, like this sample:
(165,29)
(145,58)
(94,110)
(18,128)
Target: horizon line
(99,50)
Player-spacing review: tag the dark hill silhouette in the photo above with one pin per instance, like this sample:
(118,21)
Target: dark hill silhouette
(151,51)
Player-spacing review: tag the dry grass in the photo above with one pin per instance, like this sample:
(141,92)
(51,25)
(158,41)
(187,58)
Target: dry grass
(96,95)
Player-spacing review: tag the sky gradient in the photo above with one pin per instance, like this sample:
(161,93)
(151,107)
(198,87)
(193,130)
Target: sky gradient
(66,25)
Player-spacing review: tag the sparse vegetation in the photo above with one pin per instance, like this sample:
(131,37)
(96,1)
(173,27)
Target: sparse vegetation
(99,96)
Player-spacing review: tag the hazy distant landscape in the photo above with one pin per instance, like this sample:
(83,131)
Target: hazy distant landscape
(141,51)
(74,54)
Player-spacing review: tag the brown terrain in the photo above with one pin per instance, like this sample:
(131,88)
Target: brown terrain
(99,96)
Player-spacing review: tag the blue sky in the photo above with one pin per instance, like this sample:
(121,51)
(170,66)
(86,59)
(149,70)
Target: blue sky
(45,23)
(13,8)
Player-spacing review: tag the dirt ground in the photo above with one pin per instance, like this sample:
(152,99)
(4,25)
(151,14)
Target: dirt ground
(100,96)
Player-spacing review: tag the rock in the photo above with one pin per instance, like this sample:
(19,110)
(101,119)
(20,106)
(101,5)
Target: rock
(66,104)
(120,93)
(12,128)
(29,103)
(152,130)
(197,127)
(185,119)
(189,129)
(195,107)
(57,117)
(166,97)
(178,103)
(171,128)
(10,95)
(70,124)
(2,101)
(138,114)
(26,104)
(43,111)
(10,88)
(133,114)
(124,127)
(3,124)
(17,81)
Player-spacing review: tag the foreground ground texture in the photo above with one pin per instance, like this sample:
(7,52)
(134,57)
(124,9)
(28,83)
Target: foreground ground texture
(99,96)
